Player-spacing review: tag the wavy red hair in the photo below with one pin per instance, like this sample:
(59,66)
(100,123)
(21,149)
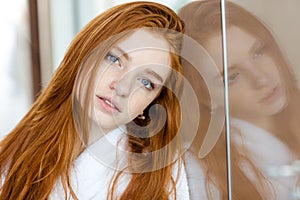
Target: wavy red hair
(42,148)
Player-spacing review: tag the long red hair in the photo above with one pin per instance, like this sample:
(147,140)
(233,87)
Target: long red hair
(42,148)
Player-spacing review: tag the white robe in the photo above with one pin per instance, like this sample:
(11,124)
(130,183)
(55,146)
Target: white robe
(91,176)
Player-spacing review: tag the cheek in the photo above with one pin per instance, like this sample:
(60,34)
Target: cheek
(138,102)
(271,68)
(240,98)
(104,80)
(276,73)
(104,74)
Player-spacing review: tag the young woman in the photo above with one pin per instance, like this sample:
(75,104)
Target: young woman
(263,101)
(116,87)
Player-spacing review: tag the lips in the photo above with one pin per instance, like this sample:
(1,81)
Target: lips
(108,104)
(271,96)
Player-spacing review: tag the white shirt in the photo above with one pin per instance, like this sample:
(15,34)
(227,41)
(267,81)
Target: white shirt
(94,169)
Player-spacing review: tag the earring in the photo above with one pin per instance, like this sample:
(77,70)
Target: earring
(141,116)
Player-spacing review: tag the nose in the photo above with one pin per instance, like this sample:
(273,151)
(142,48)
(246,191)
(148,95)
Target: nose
(260,78)
(121,86)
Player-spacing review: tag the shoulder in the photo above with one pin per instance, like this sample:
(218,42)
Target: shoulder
(197,178)
(260,143)
(179,174)
(93,169)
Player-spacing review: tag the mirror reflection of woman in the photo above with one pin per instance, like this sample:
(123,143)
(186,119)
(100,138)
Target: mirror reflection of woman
(122,64)
(263,101)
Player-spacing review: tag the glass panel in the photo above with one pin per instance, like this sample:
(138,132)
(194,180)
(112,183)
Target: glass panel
(15,70)
(206,162)
(262,58)
(263,47)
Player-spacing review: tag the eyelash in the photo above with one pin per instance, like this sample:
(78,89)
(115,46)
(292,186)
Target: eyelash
(149,85)
(232,77)
(114,59)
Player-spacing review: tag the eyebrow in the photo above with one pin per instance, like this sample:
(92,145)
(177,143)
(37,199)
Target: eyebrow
(154,74)
(256,45)
(230,68)
(148,71)
(222,70)
(122,52)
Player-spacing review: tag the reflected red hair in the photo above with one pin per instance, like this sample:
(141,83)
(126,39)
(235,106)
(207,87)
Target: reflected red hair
(203,21)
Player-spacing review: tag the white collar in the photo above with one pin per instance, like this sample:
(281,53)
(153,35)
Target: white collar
(109,147)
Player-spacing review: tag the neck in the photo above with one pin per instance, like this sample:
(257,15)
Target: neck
(267,123)
(96,132)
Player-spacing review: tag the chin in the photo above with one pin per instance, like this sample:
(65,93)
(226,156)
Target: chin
(278,107)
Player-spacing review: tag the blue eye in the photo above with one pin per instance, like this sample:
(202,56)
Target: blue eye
(113,59)
(233,77)
(148,84)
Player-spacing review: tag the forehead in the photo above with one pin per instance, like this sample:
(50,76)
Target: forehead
(144,39)
(239,41)
(147,50)
(239,44)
